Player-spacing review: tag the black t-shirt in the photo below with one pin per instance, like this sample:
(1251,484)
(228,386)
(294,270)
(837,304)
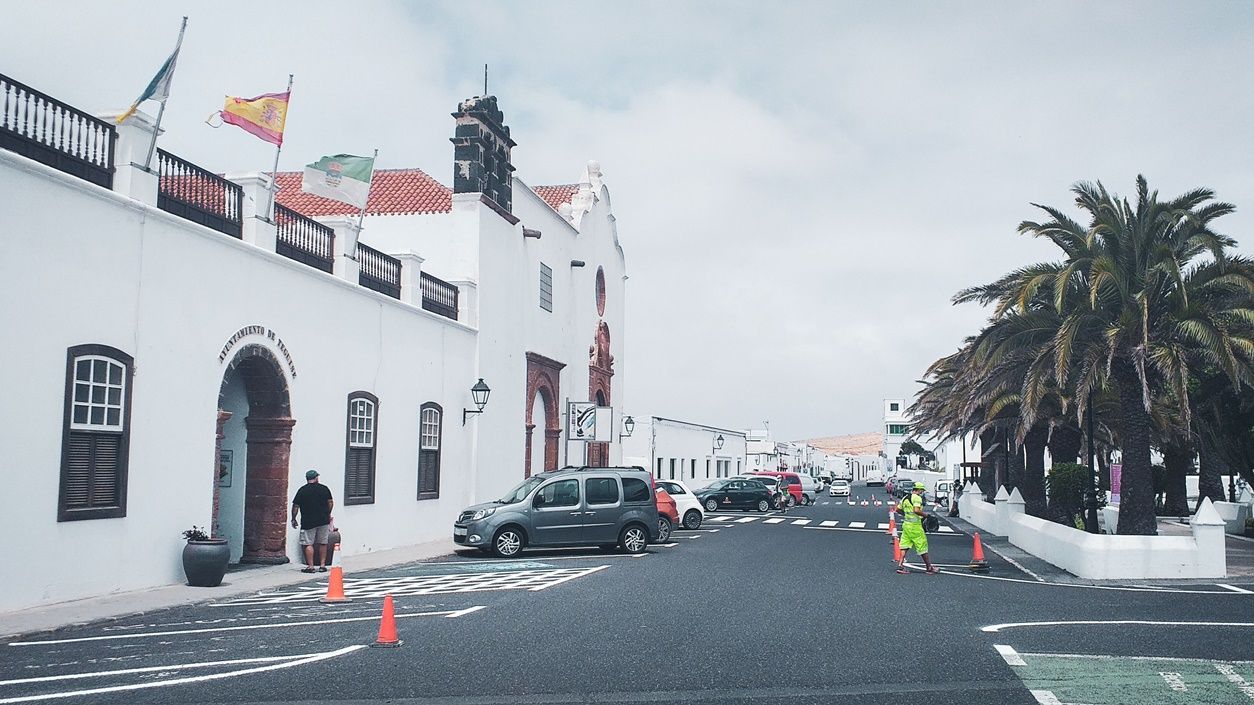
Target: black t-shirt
(312,500)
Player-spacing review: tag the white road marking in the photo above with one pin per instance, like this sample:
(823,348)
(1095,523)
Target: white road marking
(998,627)
(463,612)
(1236,679)
(705,531)
(776,520)
(857,524)
(1234,588)
(686,536)
(150,669)
(1011,657)
(572,576)
(746,520)
(190,679)
(947,529)
(882,525)
(722,518)
(828,523)
(801,522)
(1109,657)
(1045,697)
(176,632)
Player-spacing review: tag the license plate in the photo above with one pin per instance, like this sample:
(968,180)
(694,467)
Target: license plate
(459,531)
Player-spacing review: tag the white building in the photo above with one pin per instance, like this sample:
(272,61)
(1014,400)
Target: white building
(761,451)
(682,450)
(896,428)
(192,358)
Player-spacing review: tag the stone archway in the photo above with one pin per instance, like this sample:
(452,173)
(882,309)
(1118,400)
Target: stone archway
(543,385)
(600,383)
(254,384)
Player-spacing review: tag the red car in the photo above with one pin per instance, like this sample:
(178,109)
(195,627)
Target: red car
(789,480)
(667,515)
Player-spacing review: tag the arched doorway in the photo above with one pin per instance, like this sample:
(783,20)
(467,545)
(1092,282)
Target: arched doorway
(543,378)
(254,438)
(600,378)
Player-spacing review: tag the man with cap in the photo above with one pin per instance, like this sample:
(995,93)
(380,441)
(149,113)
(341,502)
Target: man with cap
(912,534)
(313,502)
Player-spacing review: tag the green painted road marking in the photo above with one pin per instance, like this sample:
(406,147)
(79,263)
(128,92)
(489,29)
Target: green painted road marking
(1123,680)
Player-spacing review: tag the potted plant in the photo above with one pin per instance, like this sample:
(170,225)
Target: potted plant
(204,558)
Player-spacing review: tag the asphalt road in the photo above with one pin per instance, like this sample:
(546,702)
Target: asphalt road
(804,609)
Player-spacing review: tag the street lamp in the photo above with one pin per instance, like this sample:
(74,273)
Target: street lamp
(718,443)
(479,394)
(629,426)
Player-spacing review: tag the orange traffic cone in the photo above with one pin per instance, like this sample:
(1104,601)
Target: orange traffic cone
(892,525)
(978,564)
(387,626)
(335,587)
(896,549)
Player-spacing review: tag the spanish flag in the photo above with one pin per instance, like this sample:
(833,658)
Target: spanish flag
(263,116)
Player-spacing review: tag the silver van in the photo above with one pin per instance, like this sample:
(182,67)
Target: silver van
(569,507)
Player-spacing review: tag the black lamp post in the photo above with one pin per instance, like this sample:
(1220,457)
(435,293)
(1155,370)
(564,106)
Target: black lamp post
(718,443)
(629,426)
(479,394)
(1090,503)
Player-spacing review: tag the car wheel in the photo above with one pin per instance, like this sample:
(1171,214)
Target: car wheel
(507,542)
(711,505)
(692,519)
(663,529)
(634,539)
(792,501)
(806,501)
(763,505)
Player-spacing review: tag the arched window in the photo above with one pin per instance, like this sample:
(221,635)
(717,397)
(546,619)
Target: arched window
(359,463)
(431,423)
(96,433)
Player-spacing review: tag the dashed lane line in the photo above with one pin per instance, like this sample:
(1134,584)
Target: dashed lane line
(152,669)
(190,679)
(993,628)
(451,614)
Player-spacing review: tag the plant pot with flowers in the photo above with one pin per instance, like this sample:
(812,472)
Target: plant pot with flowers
(204,558)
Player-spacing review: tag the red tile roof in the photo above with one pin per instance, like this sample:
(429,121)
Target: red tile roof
(557,194)
(393,192)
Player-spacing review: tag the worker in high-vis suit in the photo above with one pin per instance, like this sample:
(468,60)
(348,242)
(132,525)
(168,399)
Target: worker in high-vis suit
(912,534)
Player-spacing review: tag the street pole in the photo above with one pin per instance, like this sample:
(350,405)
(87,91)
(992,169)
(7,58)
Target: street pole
(1090,517)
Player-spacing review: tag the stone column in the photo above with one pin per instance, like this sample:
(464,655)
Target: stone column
(266,501)
(552,446)
(223,417)
(130,178)
(528,471)
(411,277)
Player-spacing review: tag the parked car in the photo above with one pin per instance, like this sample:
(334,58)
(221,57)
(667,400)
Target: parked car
(790,482)
(840,488)
(942,489)
(667,514)
(594,507)
(691,513)
(735,493)
(772,484)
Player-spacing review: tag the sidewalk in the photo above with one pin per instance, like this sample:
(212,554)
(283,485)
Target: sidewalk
(240,582)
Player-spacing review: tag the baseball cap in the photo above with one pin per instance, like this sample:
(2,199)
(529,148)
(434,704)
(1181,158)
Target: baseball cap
(311,474)
(920,486)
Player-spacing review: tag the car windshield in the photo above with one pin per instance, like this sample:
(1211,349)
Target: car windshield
(521,490)
(716,485)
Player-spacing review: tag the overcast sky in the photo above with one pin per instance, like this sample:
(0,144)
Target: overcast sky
(799,187)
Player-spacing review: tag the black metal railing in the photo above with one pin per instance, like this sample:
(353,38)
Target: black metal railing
(43,128)
(198,195)
(304,239)
(438,296)
(378,271)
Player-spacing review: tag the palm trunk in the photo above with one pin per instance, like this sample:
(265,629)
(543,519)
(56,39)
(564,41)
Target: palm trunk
(1064,444)
(990,452)
(1211,469)
(1136,506)
(1015,469)
(1178,460)
(1033,485)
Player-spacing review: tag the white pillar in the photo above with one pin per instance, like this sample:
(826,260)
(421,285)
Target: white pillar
(1208,534)
(1002,515)
(130,178)
(411,277)
(346,234)
(256,201)
(467,301)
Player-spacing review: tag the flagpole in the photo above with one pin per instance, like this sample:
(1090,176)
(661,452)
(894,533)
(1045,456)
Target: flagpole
(274,172)
(361,214)
(156,130)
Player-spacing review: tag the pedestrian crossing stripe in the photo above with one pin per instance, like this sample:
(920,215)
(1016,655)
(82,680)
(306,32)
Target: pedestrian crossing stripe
(829,523)
(721,518)
(774,521)
(801,522)
(857,524)
(882,525)
(746,520)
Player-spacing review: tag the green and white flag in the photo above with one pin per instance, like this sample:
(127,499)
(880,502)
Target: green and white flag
(340,177)
(159,87)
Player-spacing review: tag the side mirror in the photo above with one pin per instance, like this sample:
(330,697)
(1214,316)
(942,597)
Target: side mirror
(538,502)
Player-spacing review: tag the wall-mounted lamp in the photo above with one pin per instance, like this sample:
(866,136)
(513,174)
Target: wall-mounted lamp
(577,263)
(479,394)
(528,232)
(629,425)
(718,443)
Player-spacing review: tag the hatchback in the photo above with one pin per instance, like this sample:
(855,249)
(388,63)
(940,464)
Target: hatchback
(735,494)
(691,513)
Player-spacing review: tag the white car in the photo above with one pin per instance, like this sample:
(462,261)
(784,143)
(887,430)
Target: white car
(840,488)
(810,488)
(691,513)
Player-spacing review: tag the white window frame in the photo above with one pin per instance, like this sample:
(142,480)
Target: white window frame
(361,426)
(429,425)
(91,383)
(544,268)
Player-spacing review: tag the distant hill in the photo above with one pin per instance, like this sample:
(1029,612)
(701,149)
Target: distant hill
(855,444)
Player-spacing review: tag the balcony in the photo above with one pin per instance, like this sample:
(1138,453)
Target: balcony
(50,132)
(198,195)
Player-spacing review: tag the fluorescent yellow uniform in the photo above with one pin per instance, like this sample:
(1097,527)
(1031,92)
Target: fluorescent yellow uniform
(912,535)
